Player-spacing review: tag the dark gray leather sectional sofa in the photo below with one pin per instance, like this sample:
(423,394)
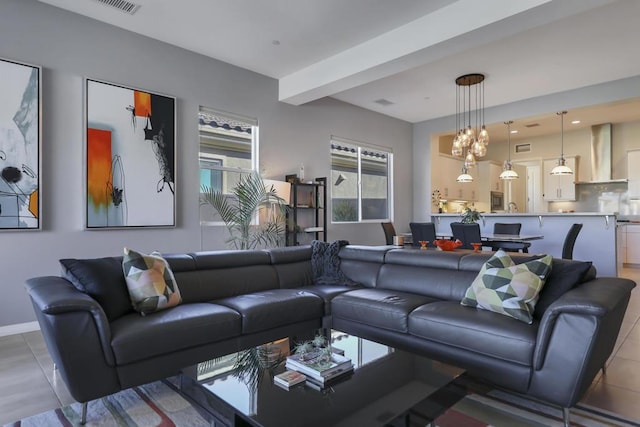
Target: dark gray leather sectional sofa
(407,298)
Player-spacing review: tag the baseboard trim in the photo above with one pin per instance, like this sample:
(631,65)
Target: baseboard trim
(19,328)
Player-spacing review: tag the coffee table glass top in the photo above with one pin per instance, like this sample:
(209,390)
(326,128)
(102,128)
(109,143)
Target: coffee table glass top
(386,384)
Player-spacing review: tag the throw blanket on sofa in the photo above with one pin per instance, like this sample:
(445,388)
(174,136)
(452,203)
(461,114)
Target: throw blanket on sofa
(325,263)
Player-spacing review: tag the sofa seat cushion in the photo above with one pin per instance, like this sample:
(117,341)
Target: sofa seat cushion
(382,308)
(480,331)
(276,307)
(328,292)
(135,337)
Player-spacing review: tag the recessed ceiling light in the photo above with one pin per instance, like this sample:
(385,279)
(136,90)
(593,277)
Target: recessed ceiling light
(514,131)
(575,122)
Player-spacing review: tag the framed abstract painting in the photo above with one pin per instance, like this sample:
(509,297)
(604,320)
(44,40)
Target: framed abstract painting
(130,157)
(20,141)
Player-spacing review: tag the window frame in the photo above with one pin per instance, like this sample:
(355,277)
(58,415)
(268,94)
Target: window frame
(222,132)
(362,147)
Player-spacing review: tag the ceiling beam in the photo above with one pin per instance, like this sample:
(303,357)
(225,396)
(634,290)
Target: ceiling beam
(455,28)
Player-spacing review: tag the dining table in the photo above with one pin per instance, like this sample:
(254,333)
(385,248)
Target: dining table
(492,237)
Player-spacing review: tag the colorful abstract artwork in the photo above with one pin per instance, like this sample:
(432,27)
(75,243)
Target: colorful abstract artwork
(19,146)
(130,157)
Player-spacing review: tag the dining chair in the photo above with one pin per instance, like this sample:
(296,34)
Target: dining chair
(389,232)
(423,231)
(508,228)
(570,241)
(466,233)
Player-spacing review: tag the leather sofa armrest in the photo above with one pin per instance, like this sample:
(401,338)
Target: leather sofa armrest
(577,334)
(56,295)
(78,337)
(598,297)
(69,318)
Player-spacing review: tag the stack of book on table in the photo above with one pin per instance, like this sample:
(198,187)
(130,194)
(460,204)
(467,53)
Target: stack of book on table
(289,379)
(321,373)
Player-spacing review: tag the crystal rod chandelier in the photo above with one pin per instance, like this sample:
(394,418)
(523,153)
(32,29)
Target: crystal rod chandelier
(471,138)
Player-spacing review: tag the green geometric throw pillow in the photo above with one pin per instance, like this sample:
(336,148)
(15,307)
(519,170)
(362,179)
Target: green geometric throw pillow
(509,289)
(151,284)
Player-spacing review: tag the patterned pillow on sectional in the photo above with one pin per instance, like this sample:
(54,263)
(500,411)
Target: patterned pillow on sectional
(152,286)
(506,288)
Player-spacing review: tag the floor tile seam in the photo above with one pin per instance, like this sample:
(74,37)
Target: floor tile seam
(618,387)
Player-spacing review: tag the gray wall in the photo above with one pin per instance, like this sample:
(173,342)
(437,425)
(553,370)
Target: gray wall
(70,47)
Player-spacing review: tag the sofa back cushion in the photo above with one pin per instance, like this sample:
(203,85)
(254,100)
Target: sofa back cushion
(221,274)
(438,274)
(362,263)
(103,280)
(565,275)
(440,283)
(292,265)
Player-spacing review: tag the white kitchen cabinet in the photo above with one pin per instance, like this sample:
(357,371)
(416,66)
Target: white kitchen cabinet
(633,173)
(559,187)
(632,253)
(495,183)
(450,188)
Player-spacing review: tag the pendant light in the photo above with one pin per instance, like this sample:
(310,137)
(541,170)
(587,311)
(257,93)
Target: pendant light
(562,168)
(472,138)
(464,175)
(507,169)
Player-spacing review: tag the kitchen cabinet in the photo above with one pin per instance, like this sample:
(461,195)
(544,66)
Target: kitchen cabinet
(559,187)
(632,241)
(495,183)
(450,188)
(488,181)
(633,173)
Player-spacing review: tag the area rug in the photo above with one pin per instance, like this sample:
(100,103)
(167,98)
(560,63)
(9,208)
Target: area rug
(156,404)
(498,408)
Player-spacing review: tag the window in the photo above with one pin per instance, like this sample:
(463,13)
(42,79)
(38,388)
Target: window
(228,149)
(360,182)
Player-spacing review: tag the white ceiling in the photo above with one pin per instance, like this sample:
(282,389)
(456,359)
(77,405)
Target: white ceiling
(408,52)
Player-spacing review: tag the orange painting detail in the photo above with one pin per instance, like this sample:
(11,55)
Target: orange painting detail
(142,103)
(33,203)
(98,166)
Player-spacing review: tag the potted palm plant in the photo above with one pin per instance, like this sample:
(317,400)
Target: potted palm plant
(239,210)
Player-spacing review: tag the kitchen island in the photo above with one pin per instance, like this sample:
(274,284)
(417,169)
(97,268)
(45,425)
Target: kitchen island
(597,241)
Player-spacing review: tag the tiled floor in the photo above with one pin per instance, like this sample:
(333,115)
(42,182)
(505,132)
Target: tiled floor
(29,385)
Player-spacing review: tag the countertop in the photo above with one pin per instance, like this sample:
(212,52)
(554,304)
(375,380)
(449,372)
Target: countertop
(533,214)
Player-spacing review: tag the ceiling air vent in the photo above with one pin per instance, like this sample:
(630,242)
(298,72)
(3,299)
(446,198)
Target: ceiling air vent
(123,5)
(383,102)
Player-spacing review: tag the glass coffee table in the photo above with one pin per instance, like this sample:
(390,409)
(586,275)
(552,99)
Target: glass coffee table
(389,387)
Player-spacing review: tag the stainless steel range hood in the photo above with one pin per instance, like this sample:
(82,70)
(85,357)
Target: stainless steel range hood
(601,155)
